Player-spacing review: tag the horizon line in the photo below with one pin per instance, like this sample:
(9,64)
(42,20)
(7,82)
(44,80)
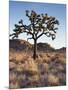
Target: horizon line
(38,43)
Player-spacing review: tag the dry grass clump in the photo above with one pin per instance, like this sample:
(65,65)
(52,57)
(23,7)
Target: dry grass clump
(62,78)
(46,67)
(44,58)
(43,67)
(20,68)
(31,67)
(12,77)
(53,80)
(21,56)
(60,67)
(22,80)
(51,54)
(12,65)
(53,71)
(21,77)
(14,85)
(43,81)
(61,58)
(33,78)
(11,56)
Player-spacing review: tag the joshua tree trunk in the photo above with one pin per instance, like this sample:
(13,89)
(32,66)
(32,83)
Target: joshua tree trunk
(35,49)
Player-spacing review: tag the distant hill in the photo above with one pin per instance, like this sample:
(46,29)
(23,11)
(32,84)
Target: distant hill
(45,47)
(18,44)
(22,45)
(63,49)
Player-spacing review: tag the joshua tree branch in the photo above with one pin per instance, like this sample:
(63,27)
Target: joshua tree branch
(29,38)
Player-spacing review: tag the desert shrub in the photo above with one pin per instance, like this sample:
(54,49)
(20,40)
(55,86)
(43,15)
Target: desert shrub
(53,80)
(46,67)
(12,77)
(22,80)
(43,81)
(53,71)
(50,55)
(46,59)
(34,78)
(61,58)
(14,85)
(30,67)
(21,57)
(62,78)
(20,68)
(60,67)
(43,67)
(21,77)
(12,65)
(42,58)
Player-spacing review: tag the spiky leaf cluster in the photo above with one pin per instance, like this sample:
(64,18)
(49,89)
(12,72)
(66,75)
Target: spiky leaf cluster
(40,24)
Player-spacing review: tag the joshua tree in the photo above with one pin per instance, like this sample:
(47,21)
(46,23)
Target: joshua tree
(40,24)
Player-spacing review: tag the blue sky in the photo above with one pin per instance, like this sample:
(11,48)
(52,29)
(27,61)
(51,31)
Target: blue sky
(17,12)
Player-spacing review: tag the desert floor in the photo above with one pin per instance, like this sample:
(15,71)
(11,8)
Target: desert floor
(49,69)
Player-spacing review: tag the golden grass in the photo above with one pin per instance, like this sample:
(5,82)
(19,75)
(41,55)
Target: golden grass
(12,77)
(33,78)
(61,58)
(31,66)
(46,67)
(12,65)
(53,80)
(26,72)
(60,68)
(14,85)
(21,77)
(20,68)
(44,58)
